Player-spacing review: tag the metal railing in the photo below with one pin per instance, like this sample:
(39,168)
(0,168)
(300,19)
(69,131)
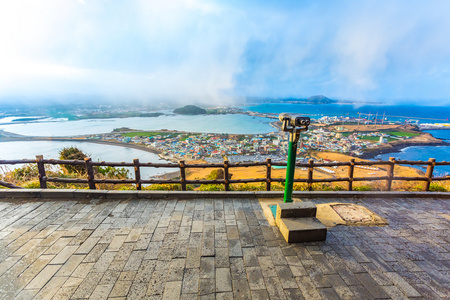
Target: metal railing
(268,179)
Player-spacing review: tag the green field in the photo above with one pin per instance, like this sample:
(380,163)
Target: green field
(375,138)
(402,133)
(147,134)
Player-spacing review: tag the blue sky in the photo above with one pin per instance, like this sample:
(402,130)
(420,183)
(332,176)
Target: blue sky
(222,51)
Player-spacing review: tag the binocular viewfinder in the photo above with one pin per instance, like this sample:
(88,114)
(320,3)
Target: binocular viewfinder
(294,121)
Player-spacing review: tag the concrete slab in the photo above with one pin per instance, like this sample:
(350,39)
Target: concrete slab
(298,230)
(56,193)
(20,193)
(94,194)
(296,210)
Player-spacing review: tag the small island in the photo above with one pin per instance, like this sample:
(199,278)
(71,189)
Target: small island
(190,110)
(320,99)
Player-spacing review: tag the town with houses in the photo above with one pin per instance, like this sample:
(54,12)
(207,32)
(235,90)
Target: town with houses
(176,145)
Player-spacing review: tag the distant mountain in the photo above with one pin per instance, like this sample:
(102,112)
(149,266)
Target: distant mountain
(190,110)
(320,99)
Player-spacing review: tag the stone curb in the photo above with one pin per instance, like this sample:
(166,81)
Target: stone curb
(106,194)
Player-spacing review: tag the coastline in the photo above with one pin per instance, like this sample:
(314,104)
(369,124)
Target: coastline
(397,148)
(126,145)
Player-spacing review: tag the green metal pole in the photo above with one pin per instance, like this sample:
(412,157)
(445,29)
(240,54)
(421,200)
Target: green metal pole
(290,170)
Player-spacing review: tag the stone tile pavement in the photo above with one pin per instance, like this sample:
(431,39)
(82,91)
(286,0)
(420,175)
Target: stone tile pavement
(217,249)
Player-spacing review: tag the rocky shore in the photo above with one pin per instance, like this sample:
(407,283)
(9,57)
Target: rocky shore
(425,139)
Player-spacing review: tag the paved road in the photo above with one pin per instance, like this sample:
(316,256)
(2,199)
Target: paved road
(217,249)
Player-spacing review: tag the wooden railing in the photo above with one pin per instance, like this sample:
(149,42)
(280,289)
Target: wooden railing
(182,166)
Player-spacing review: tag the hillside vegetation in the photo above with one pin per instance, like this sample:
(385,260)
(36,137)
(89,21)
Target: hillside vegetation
(190,110)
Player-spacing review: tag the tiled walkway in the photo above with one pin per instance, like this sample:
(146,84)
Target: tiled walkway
(217,249)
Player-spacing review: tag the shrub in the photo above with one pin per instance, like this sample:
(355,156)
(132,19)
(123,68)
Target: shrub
(71,153)
(212,187)
(112,172)
(34,184)
(436,187)
(218,174)
(166,187)
(249,187)
(27,172)
(362,188)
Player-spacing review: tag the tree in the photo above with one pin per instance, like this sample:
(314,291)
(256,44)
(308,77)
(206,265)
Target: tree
(71,153)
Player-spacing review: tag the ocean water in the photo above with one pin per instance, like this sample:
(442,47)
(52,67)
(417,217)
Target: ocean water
(231,123)
(440,153)
(98,152)
(430,114)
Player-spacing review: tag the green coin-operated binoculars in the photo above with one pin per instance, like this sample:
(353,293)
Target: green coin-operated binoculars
(294,125)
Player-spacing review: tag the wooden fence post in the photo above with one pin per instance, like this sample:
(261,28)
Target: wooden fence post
(268,173)
(429,173)
(183,175)
(90,173)
(137,173)
(41,170)
(310,174)
(226,175)
(390,173)
(351,170)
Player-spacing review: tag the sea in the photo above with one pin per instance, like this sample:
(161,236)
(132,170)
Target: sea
(229,123)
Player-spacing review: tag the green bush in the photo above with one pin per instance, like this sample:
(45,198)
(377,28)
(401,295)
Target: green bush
(362,188)
(212,187)
(436,187)
(71,153)
(26,172)
(167,187)
(34,184)
(249,187)
(112,172)
(162,187)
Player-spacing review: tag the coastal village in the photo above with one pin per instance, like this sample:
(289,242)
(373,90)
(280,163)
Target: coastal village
(326,134)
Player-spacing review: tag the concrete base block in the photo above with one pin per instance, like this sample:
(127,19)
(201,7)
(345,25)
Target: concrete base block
(297,230)
(296,210)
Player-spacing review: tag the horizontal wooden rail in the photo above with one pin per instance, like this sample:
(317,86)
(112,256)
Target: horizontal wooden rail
(66,180)
(17,161)
(311,167)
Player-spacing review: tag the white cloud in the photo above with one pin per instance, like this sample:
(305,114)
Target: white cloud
(200,49)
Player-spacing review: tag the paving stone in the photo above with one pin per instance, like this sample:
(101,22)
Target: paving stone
(88,285)
(223,280)
(190,281)
(172,290)
(328,293)
(101,291)
(342,290)
(286,277)
(241,289)
(255,278)
(207,267)
(70,265)
(307,288)
(260,295)
(121,288)
(370,284)
(404,286)
(43,277)
(142,247)
(274,288)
